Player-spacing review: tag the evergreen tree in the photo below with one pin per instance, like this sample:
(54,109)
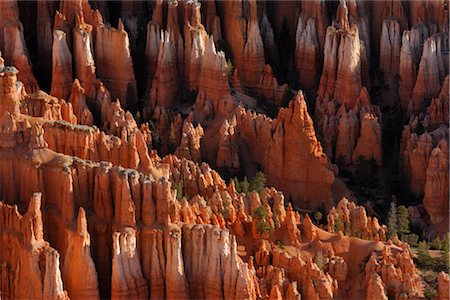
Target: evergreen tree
(245,185)
(392,221)
(318,216)
(318,259)
(402,220)
(237,185)
(436,244)
(179,189)
(258,183)
(338,223)
(262,224)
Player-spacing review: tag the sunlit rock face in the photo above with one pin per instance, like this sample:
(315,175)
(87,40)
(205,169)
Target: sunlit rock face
(220,149)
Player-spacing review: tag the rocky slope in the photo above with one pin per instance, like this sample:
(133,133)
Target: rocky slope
(115,177)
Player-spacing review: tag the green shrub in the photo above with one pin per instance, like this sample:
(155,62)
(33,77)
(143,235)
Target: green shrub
(318,259)
(280,244)
(245,186)
(430,293)
(230,67)
(262,224)
(258,183)
(318,216)
(179,188)
(436,244)
(402,220)
(412,239)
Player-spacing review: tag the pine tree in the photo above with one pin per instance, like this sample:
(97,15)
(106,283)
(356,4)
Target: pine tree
(338,223)
(318,259)
(245,185)
(179,190)
(402,220)
(392,221)
(258,183)
(237,185)
(318,216)
(262,224)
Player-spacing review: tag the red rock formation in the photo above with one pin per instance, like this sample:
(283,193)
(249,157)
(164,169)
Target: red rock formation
(228,151)
(127,280)
(436,184)
(293,130)
(407,71)
(153,41)
(189,147)
(397,271)
(115,68)
(10,15)
(144,239)
(26,250)
(10,89)
(390,43)
(369,142)
(79,261)
(16,54)
(443,285)
(80,108)
(61,66)
(165,84)
(430,75)
(416,157)
(269,87)
(310,40)
(246,47)
(381,11)
(438,110)
(83,58)
(376,289)
(213,82)
(354,221)
(339,69)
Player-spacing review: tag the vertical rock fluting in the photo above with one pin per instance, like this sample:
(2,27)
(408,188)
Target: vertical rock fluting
(62,78)
(390,43)
(213,84)
(436,185)
(79,261)
(189,147)
(16,54)
(83,58)
(292,145)
(307,53)
(342,98)
(407,71)
(309,41)
(369,142)
(127,280)
(114,63)
(30,267)
(111,207)
(341,76)
(10,15)
(164,90)
(430,74)
(291,156)
(79,106)
(241,31)
(10,90)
